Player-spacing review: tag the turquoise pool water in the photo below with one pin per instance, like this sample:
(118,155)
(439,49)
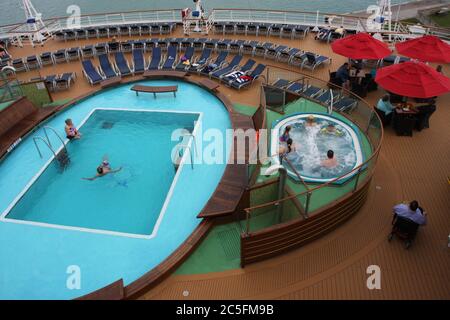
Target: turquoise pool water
(129,201)
(35,259)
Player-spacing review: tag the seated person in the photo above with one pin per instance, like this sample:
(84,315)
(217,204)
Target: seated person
(331,130)
(285,136)
(310,121)
(323,34)
(71,131)
(340,31)
(343,75)
(330,161)
(385,106)
(102,170)
(411,211)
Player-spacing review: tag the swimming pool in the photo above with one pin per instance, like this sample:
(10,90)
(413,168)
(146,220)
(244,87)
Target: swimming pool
(35,258)
(311,146)
(128,202)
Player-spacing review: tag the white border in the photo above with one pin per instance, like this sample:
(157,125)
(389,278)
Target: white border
(275,142)
(98,231)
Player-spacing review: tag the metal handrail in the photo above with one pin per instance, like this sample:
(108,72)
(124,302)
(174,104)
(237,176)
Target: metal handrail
(57,134)
(190,153)
(46,143)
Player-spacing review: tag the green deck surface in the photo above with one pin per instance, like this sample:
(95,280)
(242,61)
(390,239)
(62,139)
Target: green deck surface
(220,251)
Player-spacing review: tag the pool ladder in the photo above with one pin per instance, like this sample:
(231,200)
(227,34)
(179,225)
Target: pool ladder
(62,156)
(187,146)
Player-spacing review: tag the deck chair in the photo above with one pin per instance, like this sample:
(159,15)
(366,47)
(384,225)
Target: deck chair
(201,61)
(252,29)
(150,44)
(199,44)
(122,64)
(64,81)
(156,59)
(260,50)
(73,54)
(296,87)
(46,58)
(246,68)
(312,92)
(87,52)
(145,30)
(113,32)
(211,43)
(188,55)
(286,32)
(241,28)
(113,46)
(155,29)
(313,61)
(263,29)
(102,33)
(218,28)
(170,58)
(281,83)
(69,35)
(223,45)
(236,46)
(80,34)
(216,65)
(91,73)
(229,28)
(248,79)
(249,47)
(233,65)
(60,56)
(138,61)
(33,62)
(298,59)
(101,48)
(286,56)
(138,45)
(345,105)
(325,96)
(50,82)
(273,53)
(106,67)
(300,32)
(275,30)
(126,46)
(405,229)
(92,33)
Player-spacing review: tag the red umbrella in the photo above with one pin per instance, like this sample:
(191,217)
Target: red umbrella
(361,46)
(413,79)
(426,48)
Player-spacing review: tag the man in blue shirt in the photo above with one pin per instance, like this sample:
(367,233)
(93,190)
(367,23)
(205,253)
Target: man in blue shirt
(343,76)
(385,105)
(411,212)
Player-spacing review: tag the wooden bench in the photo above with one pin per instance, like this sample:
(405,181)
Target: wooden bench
(165,74)
(110,82)
(155,90)
(209,84)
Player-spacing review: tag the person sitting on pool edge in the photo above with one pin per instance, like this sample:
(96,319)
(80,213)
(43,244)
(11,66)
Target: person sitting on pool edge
(102,170)
(285,136)
(331,130)
(331,160)
(71,131)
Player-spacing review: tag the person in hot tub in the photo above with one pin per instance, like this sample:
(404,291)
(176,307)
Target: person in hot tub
(310,121)
(103,169)
(285,136)
(330,161)
(332,130)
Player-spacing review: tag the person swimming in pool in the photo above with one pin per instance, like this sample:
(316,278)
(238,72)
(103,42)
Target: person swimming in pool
(330,161)
(103,169)
(71,131)
(332,130)
(285,136)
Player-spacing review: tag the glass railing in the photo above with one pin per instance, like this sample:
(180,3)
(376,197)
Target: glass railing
(300,200)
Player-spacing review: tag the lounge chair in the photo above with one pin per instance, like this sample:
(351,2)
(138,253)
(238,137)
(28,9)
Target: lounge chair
(223,45)
(312,92)
(46,58)
(252,29)
(155,29)
(187,57)
(167,28)
(92,33)
(274,52)
(135,30)
(87,52)
(102,33)
(296,87)
(64,81)
(126,46)
(345,104)
(219,28)
(275,30)
(199,44)
(247,80)
(124,31)
(171,57)
(150,44)
(281,83)
(163,43)
(138,61)
(325,97)
(312,61)
(211,43)
(80,34)
(60,36)
(69,35)
(249,47)
(201,61)
(122,64)
(186,43)
(216,65)
(286,56)
(91,73)
(233,65)
(236,46)
(138,45)
(260,50)
(33,62)
(145,30)
(300,32)
(50,82)
(106,67)
(241,28)
(73,54)
(393,59)
(156,59)
(101,48)
(287,32)
(113,46)
(60,56)
(246,68)
(263,29)
(113,32)
(229,28)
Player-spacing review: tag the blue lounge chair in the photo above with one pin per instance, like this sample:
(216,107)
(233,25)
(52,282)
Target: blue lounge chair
(312,91)
(50,82)
(236,46)
(286,56)
(296,87)
(216,65)
(170,58)
(91,73)
(254,75)
(188,56)
(201,62)
(312,61)
(272,53)
(261,49)
(325,96)
(223,45)
(345,105)
(156,59)
(249,47)
(64,81)
(240,72)
(122,64)
(218,74)
(138,61)
(281,83)
(106,67)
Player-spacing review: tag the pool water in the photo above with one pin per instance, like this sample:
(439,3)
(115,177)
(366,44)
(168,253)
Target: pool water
(312,143)
(128,201)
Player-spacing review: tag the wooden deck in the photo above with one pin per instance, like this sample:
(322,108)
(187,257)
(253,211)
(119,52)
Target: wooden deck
(334,266)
